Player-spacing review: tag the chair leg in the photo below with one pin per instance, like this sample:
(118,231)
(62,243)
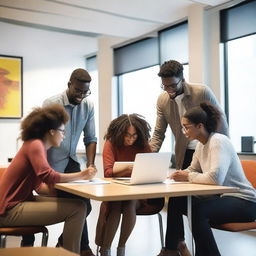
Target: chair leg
(45,238)
(2,241)
(97,250)
(161,228)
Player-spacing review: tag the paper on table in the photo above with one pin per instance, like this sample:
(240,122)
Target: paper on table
(90,182)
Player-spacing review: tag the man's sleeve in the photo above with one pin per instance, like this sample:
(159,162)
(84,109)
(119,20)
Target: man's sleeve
(160,129)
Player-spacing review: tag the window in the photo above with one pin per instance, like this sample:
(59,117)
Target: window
(136,68)
(241,89)
(238,33)
(140,90)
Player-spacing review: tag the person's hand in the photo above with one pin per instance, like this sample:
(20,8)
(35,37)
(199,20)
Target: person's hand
(129,168)
(179,175)
(89,172)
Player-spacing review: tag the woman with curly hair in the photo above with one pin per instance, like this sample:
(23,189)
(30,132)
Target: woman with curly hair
(42,129)
(126,136)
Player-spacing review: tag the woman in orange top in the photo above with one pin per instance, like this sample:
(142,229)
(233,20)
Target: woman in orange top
(126,136)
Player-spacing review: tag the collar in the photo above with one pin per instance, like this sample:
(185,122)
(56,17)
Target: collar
(186,89)
(66,100)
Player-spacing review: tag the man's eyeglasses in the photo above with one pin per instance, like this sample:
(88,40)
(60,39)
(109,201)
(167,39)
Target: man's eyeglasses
(80,92)
(170,86)
(184,129)
(61,130)
(131,136)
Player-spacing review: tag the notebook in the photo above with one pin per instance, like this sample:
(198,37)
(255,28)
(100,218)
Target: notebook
(148,168)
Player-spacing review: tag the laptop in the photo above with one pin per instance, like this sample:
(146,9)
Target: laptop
(147,168)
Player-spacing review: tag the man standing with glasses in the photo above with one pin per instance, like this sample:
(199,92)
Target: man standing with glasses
(177,98)
(81,114)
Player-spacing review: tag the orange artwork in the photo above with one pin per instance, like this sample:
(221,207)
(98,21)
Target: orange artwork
(10,87)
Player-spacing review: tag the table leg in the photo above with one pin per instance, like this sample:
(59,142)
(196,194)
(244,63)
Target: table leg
(189,209)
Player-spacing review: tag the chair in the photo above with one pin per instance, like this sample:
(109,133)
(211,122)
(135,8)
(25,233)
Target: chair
(249,167)
(151,207)
(147,207)
(21,230)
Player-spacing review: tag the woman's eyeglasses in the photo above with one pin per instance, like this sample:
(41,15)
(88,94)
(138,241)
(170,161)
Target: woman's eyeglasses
(184,129)
(131,136)
(61,130)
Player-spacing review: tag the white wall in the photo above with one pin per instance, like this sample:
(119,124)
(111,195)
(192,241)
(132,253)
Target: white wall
(48,59)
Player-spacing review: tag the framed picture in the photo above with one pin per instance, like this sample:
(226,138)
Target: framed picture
(11,86)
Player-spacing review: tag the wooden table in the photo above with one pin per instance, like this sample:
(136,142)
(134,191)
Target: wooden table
(38,251)
(118,192)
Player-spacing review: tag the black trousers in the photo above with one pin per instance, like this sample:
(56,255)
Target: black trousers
(205,211)
(187,158)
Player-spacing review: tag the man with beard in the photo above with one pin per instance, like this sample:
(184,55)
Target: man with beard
(178,97)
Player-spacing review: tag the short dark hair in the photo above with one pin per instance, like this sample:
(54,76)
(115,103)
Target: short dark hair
(171,68)
(80,75)
(207,114)
(118,129)
(36,124)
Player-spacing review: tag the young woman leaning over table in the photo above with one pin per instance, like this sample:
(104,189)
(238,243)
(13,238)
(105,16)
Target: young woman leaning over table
(42,129)
(126,136)
(214,162)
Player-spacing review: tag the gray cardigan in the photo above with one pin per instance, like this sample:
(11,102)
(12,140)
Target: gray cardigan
(168,114)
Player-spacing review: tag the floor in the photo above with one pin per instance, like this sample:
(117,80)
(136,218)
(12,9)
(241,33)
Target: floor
(145,239)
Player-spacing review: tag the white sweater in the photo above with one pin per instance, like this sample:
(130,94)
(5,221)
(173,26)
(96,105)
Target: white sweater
(217,163)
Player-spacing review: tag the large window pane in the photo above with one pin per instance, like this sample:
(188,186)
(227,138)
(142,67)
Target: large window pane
(242,88)
(140,92)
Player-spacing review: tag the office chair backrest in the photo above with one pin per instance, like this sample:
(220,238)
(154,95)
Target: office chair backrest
(2,171)
(249,167)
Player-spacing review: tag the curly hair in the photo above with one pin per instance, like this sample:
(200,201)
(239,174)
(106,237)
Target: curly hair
(118,129)
(171,68)
(36,124)
(207,114)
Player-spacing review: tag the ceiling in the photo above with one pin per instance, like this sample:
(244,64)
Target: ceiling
(120,18)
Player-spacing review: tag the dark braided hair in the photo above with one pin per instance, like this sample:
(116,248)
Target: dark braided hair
(36,124)
(171,68)
(118,129)
(207,114)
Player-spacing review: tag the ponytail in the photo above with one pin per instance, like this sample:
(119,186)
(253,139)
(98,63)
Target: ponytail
(207,114)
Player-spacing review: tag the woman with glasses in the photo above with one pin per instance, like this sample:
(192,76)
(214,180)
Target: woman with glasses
(126,136)
(215,161)
(42,129)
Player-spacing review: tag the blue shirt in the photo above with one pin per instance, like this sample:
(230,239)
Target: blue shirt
(81,119)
